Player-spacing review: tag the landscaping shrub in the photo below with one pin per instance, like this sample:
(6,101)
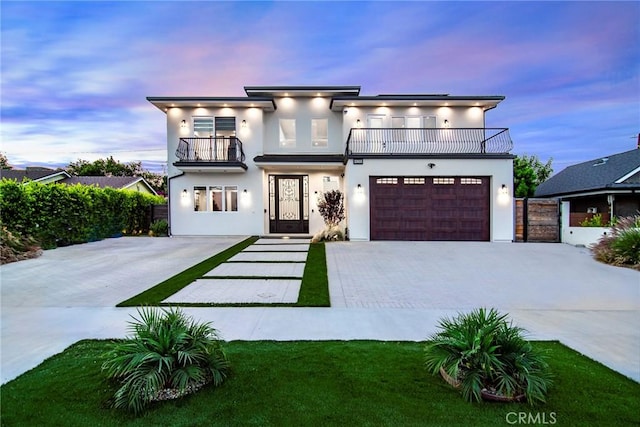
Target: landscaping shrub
(594,221)
(168,356)
(16,247)
(60,215)
(486,355)
(159,227)
(331,208)
(621,246)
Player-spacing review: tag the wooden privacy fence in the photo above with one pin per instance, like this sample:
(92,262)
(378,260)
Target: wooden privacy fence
(157,212)
(537,220)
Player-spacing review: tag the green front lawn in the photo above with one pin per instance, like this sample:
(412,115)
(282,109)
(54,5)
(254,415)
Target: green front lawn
(327,383)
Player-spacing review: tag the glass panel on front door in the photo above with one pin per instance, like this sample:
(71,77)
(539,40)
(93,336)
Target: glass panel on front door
(289,198)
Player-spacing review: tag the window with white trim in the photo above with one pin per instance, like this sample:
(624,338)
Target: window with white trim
(223,198)
(217,198)
(287,133)
(319,132)
(199,199)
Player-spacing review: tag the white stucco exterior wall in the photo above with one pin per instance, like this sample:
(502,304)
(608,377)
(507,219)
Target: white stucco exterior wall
(248,219)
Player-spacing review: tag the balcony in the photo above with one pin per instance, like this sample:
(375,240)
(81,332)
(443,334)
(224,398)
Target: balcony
(213,154)
(419,142)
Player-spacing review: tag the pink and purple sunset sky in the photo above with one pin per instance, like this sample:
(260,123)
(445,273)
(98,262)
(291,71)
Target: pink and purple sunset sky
(75,74)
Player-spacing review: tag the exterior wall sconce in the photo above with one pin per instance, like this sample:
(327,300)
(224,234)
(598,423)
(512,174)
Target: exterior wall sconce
(446,123)
(358,125)
(431,165)
(184,193)
(243,124)
(503,195)
(245,199)
(183,125)
(359,190)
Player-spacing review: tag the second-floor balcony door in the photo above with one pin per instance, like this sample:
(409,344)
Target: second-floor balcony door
(288,203)
(375,141)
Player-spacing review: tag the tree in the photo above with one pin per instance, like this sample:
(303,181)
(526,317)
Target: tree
(528,173)
(112,167)
(4,162)
(331,207)
(104,167)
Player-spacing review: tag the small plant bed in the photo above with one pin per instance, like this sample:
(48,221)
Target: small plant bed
(167,356)
(16,247)
(314,290)
(329,383)
(621,247)
(486,357)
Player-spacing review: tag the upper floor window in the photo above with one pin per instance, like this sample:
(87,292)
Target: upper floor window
(287,133)
(225,126)
(203,127)
(319,132)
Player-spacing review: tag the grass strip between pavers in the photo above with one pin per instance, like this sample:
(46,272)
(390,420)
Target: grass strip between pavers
(314,290)
(163,290)
(321,383)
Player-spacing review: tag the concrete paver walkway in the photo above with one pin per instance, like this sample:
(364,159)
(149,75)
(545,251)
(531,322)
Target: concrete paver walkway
(379,290)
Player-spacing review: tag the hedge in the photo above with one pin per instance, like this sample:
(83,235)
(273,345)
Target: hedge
(60,215)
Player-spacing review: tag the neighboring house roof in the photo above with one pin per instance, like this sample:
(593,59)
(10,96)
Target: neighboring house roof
(120,182)
(616,172)
(46,176)
(33,173)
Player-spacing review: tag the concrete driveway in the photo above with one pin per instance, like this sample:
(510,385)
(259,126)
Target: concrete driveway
(379,290)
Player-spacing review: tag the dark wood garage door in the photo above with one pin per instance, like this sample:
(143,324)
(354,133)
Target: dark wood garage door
(429,208)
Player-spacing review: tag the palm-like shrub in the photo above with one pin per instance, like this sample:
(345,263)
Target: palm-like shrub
(486,355)
(168,350)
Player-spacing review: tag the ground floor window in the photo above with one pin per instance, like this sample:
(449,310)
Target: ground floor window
(217,198)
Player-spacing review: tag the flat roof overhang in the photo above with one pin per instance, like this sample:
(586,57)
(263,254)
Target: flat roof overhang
(339,103)
(301,91)
(164,103)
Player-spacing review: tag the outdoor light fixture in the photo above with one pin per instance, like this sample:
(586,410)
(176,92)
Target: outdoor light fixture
(431,165)
(184,193)
(446,123)
(244,191)
(244,126)
(504,189)
(358,123)
(183,124)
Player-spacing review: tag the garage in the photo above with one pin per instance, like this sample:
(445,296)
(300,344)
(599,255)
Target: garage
(429,208)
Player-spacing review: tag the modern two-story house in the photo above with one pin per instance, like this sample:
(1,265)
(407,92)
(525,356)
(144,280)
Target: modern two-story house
(411,167)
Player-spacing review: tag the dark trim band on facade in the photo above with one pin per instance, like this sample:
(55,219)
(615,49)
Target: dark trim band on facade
(299,158)
(206,164)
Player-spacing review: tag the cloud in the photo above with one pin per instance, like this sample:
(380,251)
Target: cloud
(75,74)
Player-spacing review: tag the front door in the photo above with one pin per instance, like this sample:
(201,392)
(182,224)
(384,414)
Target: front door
(289,204)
